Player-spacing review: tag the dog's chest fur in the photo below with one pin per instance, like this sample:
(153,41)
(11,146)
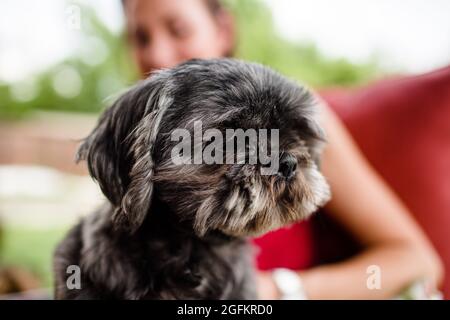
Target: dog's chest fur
(158,262)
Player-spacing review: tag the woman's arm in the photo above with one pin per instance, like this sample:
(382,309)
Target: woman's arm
(369,210)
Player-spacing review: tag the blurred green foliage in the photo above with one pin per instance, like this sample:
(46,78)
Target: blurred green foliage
(99,81)
(32,248)
(257,41)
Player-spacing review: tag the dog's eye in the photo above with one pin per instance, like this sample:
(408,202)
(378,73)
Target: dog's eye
(141,38)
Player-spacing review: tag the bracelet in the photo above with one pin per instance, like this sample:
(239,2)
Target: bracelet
(290,284)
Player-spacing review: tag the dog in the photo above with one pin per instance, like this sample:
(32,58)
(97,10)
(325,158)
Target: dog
(179,230)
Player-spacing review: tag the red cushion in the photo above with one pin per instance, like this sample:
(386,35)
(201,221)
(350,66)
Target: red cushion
(403,127)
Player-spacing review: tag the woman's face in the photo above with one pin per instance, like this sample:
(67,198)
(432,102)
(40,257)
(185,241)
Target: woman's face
(164,33)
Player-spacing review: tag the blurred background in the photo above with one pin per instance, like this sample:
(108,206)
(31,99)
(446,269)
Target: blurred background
(62,62)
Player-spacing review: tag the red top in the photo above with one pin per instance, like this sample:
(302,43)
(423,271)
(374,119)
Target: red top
(289,247)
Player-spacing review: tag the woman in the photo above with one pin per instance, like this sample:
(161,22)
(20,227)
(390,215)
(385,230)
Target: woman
(163,33)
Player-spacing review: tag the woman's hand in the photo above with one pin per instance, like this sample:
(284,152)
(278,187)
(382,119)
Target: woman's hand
(266,287)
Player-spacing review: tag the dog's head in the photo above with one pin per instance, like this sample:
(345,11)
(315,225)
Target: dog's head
(158,140)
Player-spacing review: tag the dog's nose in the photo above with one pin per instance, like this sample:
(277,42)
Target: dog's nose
(288,165)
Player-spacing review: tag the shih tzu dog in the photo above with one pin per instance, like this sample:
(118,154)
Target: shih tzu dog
(175,224)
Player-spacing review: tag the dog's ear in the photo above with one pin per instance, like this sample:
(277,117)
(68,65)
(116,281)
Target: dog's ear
(119,151)
(137,199)
(105,150)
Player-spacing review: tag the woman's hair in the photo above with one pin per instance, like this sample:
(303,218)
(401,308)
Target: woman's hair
(214,6)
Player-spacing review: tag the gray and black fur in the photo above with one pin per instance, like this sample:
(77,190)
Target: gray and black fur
(179,231)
